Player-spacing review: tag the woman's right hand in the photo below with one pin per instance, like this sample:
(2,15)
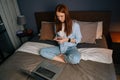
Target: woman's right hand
(57,38)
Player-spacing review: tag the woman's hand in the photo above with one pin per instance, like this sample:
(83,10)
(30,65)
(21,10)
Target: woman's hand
(55,38)
(61,40)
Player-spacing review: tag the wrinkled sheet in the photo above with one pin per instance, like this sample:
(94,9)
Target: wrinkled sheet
(13,68)
(102,55)
(26,58)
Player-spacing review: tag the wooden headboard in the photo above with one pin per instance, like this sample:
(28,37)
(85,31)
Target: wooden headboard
(78,15)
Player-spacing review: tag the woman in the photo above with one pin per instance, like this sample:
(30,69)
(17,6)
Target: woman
(67,35)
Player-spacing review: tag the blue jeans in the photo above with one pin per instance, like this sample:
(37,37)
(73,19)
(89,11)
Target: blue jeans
(71,54)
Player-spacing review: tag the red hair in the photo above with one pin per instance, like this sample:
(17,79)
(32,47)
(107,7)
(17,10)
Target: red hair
(68,21)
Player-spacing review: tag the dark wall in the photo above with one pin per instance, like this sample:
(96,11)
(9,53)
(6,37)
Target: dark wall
(28,7)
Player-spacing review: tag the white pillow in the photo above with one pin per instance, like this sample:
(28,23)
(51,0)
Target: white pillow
(99,30)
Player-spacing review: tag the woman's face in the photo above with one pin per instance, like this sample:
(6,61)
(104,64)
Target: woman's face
(60,16)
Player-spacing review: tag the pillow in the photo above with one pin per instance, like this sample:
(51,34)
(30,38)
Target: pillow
(47,30)
(88,31)
(99,30)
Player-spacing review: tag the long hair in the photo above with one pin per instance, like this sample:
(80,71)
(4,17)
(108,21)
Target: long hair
(68,21)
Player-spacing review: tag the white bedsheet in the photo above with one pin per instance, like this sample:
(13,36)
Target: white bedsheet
(101,55)
(33,47)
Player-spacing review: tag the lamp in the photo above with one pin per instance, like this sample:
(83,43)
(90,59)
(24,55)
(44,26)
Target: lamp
(21,21)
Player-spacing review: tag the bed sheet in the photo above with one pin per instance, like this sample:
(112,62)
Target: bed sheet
(13,68)
(102,55)
(27,58)
(23,61)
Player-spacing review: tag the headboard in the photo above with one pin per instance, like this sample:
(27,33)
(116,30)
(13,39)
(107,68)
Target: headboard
(78,15)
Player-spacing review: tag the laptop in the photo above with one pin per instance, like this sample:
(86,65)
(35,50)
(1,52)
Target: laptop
(46,71)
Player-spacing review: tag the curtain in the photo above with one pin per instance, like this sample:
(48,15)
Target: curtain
(9,11)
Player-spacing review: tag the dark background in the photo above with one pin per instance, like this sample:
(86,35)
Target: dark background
(28,7)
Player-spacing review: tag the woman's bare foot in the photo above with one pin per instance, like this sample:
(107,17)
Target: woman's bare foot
(59,58)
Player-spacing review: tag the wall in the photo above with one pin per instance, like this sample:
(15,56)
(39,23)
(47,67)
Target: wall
(115,23)
(28,7)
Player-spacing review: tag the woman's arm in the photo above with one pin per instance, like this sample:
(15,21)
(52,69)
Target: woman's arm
(77,33)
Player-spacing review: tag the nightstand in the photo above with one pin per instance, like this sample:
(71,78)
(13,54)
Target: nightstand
(115,45)
(24,33)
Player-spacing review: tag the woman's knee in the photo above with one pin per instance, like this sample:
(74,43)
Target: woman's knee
(42,52)
(46,52)
(74,59)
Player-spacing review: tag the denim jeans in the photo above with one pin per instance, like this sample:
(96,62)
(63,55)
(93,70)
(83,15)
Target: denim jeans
(71,54)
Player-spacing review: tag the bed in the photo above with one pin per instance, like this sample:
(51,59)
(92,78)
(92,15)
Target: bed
(96,59)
